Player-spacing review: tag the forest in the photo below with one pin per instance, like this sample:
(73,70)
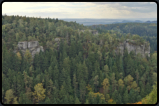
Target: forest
(146,30)
(84,69)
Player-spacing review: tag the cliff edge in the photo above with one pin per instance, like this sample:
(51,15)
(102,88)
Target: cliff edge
(32,46)
(131,46)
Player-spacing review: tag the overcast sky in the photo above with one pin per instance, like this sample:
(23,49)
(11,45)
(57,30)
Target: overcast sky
(113,10)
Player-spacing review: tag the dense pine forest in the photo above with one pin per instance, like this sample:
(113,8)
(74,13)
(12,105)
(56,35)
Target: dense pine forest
(80,69)
(146,30)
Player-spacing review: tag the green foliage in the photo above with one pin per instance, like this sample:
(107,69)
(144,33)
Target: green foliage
(137,30)
(77,62)
(126,97)
(152,97)
(77,101)
(47,101)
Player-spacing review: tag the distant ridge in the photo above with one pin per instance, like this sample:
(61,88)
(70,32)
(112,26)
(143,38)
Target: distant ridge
(91,21)
(150,22)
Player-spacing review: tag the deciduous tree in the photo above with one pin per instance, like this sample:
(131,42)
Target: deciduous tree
(105,85)
(9,96)
(39,92)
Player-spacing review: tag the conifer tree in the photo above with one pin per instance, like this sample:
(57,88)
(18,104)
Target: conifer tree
(47,101)
(75,84)
(82,88)
(119,99)
(126,97)
(77,101)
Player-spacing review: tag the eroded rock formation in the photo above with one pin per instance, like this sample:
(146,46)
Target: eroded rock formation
(94,32)
(32,46)
(130,45)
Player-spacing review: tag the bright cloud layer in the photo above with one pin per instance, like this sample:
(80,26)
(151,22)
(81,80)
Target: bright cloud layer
(82,9)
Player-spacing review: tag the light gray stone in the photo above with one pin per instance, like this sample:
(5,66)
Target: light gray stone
(41,48)
(32,46)
(22,45)
(91,31)
(130,47)
(94,32)
(147,51)
(36,50)
(57,39)
(120,48)
(142,49)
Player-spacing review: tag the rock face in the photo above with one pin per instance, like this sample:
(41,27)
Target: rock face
(57,40)
(22,45)
(32,46)
(91,31)
(142,49)
(94,32)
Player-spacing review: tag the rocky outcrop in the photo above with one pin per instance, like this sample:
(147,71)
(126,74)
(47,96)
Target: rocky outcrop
(57,40)
(94,32)
(32,46)
(131,46)
(22,45)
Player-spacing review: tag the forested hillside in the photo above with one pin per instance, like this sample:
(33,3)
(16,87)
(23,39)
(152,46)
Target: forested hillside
(84,69)
(146,30)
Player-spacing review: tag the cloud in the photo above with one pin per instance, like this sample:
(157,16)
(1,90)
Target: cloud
(81,9)
(51,14)
(131,6)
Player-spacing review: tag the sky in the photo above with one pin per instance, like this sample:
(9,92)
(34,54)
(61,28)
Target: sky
(95,10)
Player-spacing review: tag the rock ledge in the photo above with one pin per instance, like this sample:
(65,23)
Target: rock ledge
(32,46)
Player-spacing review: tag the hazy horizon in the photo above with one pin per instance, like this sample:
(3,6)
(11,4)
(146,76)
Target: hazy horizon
(82,10)
(115,18)
(151,19)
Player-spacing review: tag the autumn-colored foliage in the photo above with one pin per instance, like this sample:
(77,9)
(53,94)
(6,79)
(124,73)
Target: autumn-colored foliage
(19,56)
(10,98)
(28,56)
(149,99)
(39,92)
(94,94)
(152,97)
(110,101)
(9,95)
(89,88)
(136,103)
(105,85)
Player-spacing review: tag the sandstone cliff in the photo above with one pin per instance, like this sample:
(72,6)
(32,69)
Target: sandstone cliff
(131,46)
(57,40)
(32,46)
(94,32)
